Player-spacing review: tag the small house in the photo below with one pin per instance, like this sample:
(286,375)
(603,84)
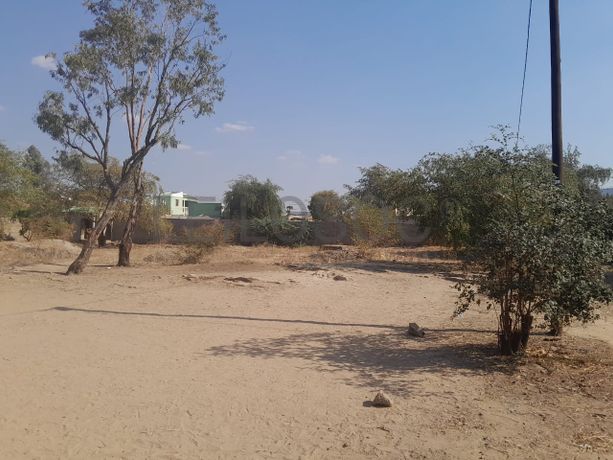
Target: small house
(179,204)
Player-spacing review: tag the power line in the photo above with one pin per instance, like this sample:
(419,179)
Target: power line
(523,82)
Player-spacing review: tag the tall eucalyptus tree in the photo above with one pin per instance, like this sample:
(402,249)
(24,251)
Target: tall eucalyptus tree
(145,64)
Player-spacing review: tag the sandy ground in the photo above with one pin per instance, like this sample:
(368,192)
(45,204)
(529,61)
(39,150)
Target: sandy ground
(262,353)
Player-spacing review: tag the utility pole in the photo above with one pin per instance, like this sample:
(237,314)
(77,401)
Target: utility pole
(556,90)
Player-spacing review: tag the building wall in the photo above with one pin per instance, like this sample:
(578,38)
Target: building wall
(196,209)
(174,204)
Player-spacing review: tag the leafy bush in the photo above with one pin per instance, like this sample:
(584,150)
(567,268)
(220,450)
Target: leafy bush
(372,226)
(281,231)
(452,195)
(543,250)
(326,205)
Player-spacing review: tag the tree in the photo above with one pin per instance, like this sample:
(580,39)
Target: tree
(249,198)
(543,251)
(138,196)
(30,194)
(451,194)
(580,178)
(43,216)
(455,194)
(33,161)
(326,205)
(15,185)
(383,187)
(143,185)
(82,182)
(148,62)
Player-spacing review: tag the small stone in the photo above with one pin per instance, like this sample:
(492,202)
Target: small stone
(339,278)
(381,400)
(415,331)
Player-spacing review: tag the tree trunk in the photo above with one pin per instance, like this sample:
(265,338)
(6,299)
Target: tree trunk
(555,327)
(526,327)
(102,238)
(513,337)
(137,200)
(83,258)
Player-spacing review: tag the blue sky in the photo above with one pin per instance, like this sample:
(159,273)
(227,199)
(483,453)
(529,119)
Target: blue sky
(317,88)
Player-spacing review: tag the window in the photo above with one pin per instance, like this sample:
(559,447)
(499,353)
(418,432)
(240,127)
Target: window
(177,202)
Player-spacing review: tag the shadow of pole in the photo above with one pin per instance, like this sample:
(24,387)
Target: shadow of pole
(230,317)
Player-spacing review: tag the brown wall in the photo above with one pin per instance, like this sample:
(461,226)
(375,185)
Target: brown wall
(322,232)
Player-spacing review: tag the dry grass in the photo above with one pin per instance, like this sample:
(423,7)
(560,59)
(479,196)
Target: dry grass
(15,253)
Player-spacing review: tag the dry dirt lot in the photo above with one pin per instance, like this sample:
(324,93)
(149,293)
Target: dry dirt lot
(269,353)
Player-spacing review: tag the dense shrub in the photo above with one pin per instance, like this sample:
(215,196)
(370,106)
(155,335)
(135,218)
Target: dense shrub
(372,226)
(543,250)
(281,231)
(383,187)
(452,196)
(35,228)
(200,241)
(326,205)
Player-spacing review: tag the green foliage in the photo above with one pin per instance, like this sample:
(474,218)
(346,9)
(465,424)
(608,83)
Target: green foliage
(383,187)
(29,193)
(248,198)
(83,182)
(326,205)
(453,195)
(20,184)
(542,250)
(38,194)
(372,226)
(15,183)
(151,59)
(452,202)
(147,63)
(33,161)
(281,231)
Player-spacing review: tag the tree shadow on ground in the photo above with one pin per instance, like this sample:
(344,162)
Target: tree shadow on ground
(383,360)
(450,273)
(387,359)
